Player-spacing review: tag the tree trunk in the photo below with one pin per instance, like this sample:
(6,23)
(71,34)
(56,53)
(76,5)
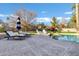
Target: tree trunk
(77,16)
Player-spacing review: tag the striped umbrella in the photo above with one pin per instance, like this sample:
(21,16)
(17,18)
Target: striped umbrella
(18,25)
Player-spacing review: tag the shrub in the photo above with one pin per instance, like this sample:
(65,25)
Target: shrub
(1,29)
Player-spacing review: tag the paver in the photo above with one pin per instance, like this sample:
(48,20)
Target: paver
(38,45)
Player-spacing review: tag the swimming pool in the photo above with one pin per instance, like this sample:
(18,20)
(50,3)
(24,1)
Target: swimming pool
(72,38)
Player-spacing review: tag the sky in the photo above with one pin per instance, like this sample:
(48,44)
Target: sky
(43,10)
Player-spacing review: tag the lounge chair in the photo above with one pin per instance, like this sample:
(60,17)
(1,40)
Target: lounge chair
(25,33)
(45,32)
(37,32)
(13,35)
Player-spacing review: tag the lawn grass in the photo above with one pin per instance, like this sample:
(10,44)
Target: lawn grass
(65,33)
(57,33)
(54,33)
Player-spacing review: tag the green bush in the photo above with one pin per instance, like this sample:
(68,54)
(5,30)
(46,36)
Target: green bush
(1,29)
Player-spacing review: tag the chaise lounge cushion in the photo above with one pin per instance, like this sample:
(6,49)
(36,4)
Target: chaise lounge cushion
(14,33)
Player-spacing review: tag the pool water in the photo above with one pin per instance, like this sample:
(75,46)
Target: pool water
(73,38)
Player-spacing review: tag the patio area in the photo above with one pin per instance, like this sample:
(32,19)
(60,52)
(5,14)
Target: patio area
(38,45)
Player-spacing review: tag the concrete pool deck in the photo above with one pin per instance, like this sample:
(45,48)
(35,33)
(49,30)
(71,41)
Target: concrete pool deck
(38,45)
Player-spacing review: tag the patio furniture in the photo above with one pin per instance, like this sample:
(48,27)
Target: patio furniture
(43,32)
(25,33)
(37,32)
(14,35)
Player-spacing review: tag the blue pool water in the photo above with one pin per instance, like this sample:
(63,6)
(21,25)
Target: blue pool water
(72,38)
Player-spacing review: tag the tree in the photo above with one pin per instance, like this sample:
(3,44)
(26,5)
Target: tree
(63,23)
(73,21)
(41,26)
(25,16)
(54,24)
(2,25)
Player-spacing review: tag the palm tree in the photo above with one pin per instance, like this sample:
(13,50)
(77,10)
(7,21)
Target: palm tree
(74,23)
(54,24)
(77,15)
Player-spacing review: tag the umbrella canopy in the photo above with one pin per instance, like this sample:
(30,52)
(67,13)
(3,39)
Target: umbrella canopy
(18,25)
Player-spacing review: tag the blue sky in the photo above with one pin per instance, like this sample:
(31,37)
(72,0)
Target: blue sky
(43,10)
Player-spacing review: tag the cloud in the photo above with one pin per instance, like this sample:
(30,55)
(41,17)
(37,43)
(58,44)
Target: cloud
(67,18)
(45,19)
(13,15)
(3,15)
(43,11)
(6,15)
(59,18)
(69,12)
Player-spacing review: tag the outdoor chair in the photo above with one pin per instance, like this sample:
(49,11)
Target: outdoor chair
(14,35)
(25,33)
(43,32)
(37,32)
(21,32)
